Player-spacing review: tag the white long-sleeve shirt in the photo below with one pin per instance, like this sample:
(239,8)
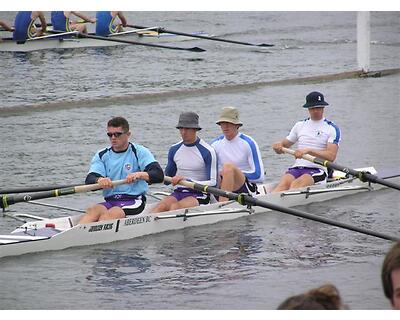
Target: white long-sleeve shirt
(243,152)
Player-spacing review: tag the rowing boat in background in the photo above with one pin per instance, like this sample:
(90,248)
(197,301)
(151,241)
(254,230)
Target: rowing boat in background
(73,41)
(59,233)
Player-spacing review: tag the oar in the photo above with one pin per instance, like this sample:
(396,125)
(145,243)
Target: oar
(54,35)
(245,199)
(5,200)
(362,175)
(162,30)
(193,49)
(34,189)
(131,31)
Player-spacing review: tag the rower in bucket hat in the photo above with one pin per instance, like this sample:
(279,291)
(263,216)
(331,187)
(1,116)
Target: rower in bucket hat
(240,166)
(316,136)
(230,115)
(315,99)
(188,120)
(190,159)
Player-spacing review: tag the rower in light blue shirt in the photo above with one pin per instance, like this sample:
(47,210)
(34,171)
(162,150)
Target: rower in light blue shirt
(123,160)
(106,22)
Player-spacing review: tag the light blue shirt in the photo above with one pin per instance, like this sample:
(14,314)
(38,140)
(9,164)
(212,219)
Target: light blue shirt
(117,166)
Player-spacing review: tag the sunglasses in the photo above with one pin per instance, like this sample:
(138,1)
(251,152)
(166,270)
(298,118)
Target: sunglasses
(115,134)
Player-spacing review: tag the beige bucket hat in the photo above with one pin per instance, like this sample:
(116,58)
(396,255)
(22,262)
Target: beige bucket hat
(231,115)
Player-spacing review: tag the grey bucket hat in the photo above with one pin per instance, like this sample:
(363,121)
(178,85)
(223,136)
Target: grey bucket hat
(188,120)
(231,115)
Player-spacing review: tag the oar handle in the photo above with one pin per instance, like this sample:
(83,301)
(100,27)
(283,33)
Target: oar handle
(184,183)
(96,186)
(292,152)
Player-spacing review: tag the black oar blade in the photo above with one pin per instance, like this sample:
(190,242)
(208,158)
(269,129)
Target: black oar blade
(265,45)
(196,49)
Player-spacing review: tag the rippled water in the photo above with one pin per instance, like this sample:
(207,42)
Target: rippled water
(53,110)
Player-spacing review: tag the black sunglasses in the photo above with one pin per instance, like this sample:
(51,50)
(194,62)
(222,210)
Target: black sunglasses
(115,134)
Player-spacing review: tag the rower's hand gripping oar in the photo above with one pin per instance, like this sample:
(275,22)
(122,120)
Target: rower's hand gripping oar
(163,30)
(6,200)
(362,175)
(245,199)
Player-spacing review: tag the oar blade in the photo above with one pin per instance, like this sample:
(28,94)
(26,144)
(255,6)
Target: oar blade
(265,45)
(196,49)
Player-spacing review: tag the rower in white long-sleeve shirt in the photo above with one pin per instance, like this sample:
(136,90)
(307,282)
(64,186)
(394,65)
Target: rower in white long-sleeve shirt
(240,165)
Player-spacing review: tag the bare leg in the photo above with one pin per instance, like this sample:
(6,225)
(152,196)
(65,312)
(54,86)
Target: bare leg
(232,179)
(188,202)
(284,183)
(93,213)
(113,213)
(165,204)
(303,181)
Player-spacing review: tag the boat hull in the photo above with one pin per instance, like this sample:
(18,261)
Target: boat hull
(65,232)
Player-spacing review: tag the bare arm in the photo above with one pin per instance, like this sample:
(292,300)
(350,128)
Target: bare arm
(6,26)
(329,153)
(43,22)
(84,17)
(122,18)
(277,146)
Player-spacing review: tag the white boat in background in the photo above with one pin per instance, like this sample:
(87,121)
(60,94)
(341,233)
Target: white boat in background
(71,41)
(59,233)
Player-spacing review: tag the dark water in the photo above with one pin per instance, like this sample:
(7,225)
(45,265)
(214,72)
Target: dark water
(250,263)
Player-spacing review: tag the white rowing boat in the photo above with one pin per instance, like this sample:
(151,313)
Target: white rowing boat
(71,41)
(64,232)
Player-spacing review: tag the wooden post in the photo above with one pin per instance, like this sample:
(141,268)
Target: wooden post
(363,40)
